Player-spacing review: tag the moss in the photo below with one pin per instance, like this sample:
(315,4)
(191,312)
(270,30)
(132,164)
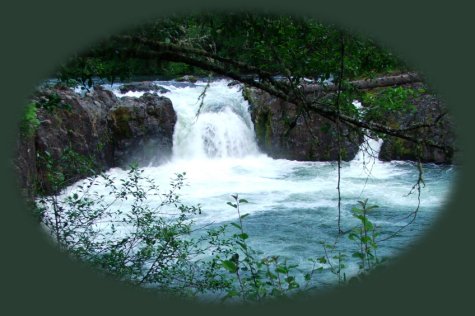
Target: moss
(263,128)
(344,154)
(268,135)
(30,121)
(262,121)
(121,117)
(400,148)
(246,94)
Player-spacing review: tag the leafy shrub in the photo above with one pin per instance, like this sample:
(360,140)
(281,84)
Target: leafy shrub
(378,105)
(152,245)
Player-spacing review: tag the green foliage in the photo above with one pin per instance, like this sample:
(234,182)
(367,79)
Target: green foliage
(281,45)
(334,260)
(85,70)
(30,121)
(389,101)
(256,277)
(141,245)
(52,102)
(61,171)
(146,246)
(365,236)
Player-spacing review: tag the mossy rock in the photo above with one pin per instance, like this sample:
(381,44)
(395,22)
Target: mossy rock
(246,94)
(263,128)
(120,118)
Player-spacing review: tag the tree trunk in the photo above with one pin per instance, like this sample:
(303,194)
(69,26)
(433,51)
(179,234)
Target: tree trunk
(366,84)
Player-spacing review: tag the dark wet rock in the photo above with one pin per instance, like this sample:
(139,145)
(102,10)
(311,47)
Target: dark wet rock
(142,129)
(25,165)
(79,135)
(187,78)
(73,128)
(234,83)
(308,138)
(428,109)
(144,86)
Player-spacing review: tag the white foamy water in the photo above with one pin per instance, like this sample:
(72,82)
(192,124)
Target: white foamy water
(292,204)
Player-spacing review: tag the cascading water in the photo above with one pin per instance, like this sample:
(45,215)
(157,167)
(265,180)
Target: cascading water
(221,129)
(366,160)
(292,204)
(369,149)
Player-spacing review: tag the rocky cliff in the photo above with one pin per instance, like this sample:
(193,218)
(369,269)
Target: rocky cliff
(282,132)
(77,135)
(312,137)
(430,110)
(142,129)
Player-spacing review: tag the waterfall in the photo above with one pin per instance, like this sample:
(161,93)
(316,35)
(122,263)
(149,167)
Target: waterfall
(368,151)
(223,127)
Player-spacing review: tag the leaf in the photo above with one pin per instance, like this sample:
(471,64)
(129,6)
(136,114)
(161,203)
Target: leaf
(244,215)
(243,236)
(231,204)
(243,245)
(371,207)
(365,239)
(236,225)
(358,255)
(271,275)
(322,260)
(368,225)
(243,201)
(230,266)
(281,269)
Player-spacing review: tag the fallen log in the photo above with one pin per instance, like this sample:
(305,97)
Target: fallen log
(367,84)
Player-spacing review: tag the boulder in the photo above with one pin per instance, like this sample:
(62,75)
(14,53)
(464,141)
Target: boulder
(144,86)
(76,136)
(234,83)
(142,129)
(73,128)
(428,108)
(310,137)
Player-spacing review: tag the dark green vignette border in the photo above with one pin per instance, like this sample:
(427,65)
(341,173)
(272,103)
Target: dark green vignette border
(435,277)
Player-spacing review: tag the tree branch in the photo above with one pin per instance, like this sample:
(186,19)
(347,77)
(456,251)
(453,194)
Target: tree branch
(282,90)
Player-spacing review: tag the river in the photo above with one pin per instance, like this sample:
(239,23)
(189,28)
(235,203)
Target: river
(292,204)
